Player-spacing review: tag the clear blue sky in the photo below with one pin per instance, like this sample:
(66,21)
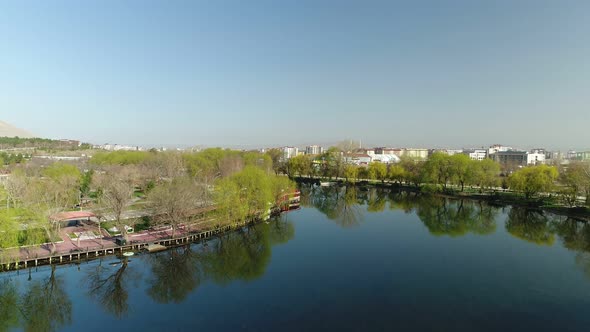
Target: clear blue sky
(398,73)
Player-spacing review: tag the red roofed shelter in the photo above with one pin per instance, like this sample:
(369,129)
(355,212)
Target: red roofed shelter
(71,218)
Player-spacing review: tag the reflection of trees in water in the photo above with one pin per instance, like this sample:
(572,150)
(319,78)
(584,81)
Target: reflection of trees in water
(308,192)
(402,200)
(244,255)
(530,225)
(575,236)
(46,306)
(175,273)
(339,204)
(453,217)
(9,314)
(444,216)
(108,285)
(456,217)
(376,200)
(440,215)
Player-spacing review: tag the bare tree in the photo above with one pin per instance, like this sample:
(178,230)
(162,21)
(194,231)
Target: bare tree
(115,196)
(174,202)
(15,186)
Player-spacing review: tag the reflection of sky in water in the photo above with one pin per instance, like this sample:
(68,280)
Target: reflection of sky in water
(349,260)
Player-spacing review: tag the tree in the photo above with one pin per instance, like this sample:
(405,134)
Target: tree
(255,190)
(174,202)
(228,202)
(577,182)
(260,160)
(350,172)
(116,195)
(414,170)
(396,173)
(64,183)
(300,165)
(85,185)
(275,156)
(438,170)
(533,180)
(378,171)
(348,146)
(332,163)
(15,185)
(45,197)
(487,172)
(463,169)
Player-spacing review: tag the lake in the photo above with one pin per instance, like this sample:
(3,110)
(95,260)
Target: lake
(348,260)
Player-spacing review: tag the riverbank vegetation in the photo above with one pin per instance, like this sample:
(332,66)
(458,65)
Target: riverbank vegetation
(176,189)
(214,187)
(563,185)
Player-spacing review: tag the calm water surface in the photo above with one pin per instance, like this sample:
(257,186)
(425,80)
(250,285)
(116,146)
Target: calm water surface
(349,260)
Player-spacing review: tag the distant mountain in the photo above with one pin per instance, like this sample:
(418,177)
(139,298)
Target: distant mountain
(7,130)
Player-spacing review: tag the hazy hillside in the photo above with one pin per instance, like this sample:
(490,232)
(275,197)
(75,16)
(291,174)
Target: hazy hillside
(7,130)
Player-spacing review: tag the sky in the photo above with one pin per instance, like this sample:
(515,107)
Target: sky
(268,73)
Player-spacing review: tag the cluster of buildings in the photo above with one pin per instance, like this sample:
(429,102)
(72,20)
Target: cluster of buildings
(117,147)
(508,157)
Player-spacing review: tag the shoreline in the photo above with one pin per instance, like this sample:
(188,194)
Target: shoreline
(498,198)
(65,257)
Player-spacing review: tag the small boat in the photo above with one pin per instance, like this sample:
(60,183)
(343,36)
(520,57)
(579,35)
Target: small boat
(155,247)
(128,253)
(114,263)
(326,184)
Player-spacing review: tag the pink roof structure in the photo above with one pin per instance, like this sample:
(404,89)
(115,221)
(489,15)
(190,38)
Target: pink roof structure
(72,215)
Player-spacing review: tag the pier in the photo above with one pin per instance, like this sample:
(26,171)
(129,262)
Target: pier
(93,253)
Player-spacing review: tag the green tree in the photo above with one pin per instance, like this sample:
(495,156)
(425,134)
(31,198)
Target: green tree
(415,170)
(533,180)
(228,202)
(378,171)
(576,181)
(350,172)
(397,173)
(332,163)
(276,158)
(487,172)
(438,169)
(300,166)
(463,169)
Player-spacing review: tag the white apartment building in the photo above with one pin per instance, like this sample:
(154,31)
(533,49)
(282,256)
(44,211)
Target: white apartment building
(477,154)
(535,157)
(314,149)
(289,152)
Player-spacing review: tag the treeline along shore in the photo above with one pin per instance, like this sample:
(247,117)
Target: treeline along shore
(560,188)
(128,192)
(133,191)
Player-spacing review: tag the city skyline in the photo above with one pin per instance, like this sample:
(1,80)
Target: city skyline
(424,74)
